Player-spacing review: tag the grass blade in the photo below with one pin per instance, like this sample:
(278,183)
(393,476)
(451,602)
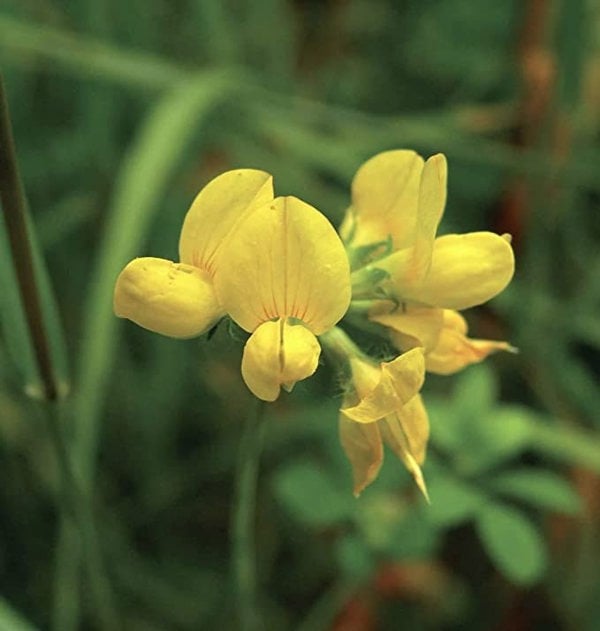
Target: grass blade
(10,619)
(87,57)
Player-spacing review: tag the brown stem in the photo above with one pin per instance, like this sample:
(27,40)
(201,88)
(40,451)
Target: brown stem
(12,196)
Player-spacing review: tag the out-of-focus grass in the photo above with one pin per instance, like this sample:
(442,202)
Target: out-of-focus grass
(122,111)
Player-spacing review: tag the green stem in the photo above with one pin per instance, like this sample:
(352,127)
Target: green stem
(73,504)
(66,604)
(12,196)
(338,344)
(76,510)
(243,521)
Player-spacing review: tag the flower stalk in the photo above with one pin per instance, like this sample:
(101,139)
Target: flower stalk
(243,521)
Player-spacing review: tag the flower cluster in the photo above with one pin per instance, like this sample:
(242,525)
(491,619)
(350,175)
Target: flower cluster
(408,286)
(277,268)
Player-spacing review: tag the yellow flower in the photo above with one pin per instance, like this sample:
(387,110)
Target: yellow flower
(384,405)
(178,299)
(399,197)
(441,332)
(454,350)
(287,280)
(386,197)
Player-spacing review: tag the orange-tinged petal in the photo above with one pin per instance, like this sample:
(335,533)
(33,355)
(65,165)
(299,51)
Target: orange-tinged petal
(466,270)
(410,325)
(394,436)
(455,321)
(385,193)
(384,391)
(217,210)
(415,424)
(278,354)
(173,299)
(454,350)
(286,260)
(363,446)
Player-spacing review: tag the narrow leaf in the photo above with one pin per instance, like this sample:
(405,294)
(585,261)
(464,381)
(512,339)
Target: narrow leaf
(11,620)
(87,57)
(543,489)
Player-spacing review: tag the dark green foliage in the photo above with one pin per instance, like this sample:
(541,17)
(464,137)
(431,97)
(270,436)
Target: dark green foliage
(122,111)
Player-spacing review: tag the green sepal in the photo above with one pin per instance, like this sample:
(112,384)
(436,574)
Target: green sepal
(365,283)
(364,254)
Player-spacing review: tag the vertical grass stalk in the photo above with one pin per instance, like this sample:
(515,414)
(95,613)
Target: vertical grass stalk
(73,503)
(76,509)
(15,218)
(243,538)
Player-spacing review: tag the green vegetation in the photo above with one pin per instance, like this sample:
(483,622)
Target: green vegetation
(116,502)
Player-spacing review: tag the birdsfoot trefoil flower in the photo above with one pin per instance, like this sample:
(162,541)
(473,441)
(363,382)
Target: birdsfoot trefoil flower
(381,404)
(421,280)
(276,266)
(287,281)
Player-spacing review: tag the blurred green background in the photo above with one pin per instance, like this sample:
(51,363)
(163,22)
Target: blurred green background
(122,111)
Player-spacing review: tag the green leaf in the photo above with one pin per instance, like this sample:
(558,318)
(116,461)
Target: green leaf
(479,433)
(447,428)
(543,489)
(452,501)
(495,438)
(568,444)
(514,544)
(11,620)
(394,526)
(412,537)
(476,392)
(310,495)
(354,558)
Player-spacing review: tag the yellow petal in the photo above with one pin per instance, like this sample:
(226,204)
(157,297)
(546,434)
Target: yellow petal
(415,424)
(278,354)
(173,299)
(348,226)
(454,350)
(388,390)
(219,207)
(385,193)
(466,270)
(286,260)
(410,326)
(363,447)
(432,200)
(393,434)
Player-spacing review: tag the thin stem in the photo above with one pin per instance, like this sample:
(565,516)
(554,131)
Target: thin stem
(76,510)
(12,196)
(243,521)
(338,344)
